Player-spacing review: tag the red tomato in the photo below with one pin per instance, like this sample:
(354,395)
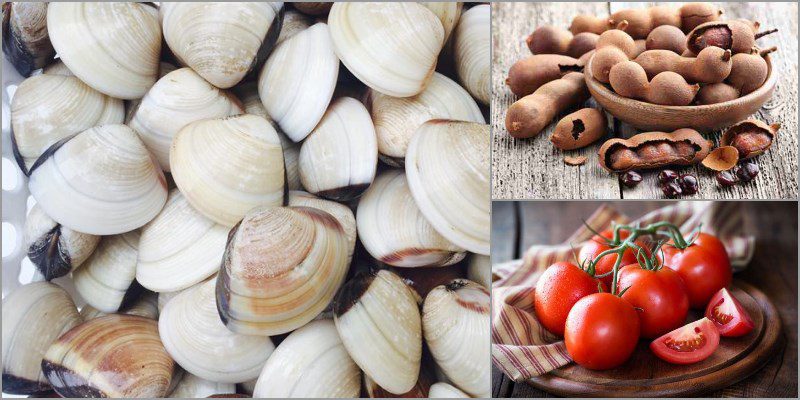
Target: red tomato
(688,344)
(602,331)
(704,267)
(728,315)
(660,294)
(560,286)
(599,244)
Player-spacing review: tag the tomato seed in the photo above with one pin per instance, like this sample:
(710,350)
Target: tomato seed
(685,346)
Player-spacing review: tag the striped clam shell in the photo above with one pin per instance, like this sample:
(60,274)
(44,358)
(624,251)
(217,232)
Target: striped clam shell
(472,39)
(448,13)
(341,212)
(442,390)
(107,279)
(26,43)
(194,387)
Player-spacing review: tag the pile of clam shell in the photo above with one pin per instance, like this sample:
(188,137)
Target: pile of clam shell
(259,199)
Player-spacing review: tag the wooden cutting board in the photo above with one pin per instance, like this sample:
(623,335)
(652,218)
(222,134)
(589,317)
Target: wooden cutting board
(645,375)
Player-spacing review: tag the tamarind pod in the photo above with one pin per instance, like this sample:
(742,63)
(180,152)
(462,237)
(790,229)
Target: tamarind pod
(749,70)
(589,23)
(738,36)
(549,39)
(654,150)
(693,14)
(642,21)
(530,114)
(582,43)
(641,46)
(667,37)
(529,73)
(668,88)
(715,93)
(604,59)
(711,65)
(579,129)
(750,137)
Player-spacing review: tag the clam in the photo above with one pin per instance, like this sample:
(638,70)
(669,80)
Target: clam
(338,159)
(442,390)
(447,166)
(455,321)
(425,279)
(341,212)
(55,250)
(193,387)
(111,356)
(106,280)
(472,39)
(282,267)
(394,231)
(298,80)
(47,108)
(112,47)
(378,320)
(397,119)
(179,247)
(57,68)
(227,166)
(479,270)
(293,23)
(420,390)
(101,181)
(25,41)
(177,99)
(146,305)
(448,13)
(198,341)
(34,316)
(221,41)
(311,362)
(391,47)
(313,8)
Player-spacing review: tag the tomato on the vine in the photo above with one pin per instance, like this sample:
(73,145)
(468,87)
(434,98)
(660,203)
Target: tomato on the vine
(601,243)
(688,344)
(704,267)
(557,290)
(660,294)
(728,315)
(602,331)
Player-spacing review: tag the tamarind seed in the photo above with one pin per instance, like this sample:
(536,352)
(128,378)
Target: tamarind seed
(667,176)
(726,178)
(746,171)
(688,184)
(630,179)
(719,36)
(671,189)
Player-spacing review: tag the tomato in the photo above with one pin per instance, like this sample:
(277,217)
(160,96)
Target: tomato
(728,315)
(599,244)
(660,294)
(560,286)
(602,331)
(704,267)
(688,344)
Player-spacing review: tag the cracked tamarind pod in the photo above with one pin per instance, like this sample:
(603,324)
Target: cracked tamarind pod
(738,36)
(529,73)
(580,129)
(530,114)
(654,150)
(750,137)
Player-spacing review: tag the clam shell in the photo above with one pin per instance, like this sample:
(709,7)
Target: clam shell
(194,387)
(338,159)
(106,280)
(221,41)
(298,80)
(472,39)
(197,340)
(179,247)
(111,356)
(441,390)
(55,250)
(313,8)
(394,231)
(397,119)
(112,47)
(144,306)
(341,212)
(479,270)
(448,13)
(57,68)
(48,108)
(101,181)
(282,267)
(311,362)
(177,99)
(227,166)
(378,320)
(391,47)
(455,321)
(293,23)
(447,166)
(420,390)
(34,316)
(26,43)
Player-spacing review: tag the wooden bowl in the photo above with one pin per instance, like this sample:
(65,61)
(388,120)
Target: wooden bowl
(654,117)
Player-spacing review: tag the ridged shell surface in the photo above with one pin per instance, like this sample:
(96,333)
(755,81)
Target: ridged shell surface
(107,279)
(26,43)
(479,270)
(341,212)
(472,39)
(294,22)
(442,390)
(146,305)
(194,387)
(448,13)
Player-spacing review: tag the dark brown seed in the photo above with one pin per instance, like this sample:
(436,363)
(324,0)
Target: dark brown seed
(726,178)
(688,184)
(747,171)
(630,178)
(667,176)
(671,189)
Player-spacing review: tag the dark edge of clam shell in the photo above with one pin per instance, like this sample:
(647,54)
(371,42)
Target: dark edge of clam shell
(344,193)
(50,152)
(67,383)
(135,290)
(222,289)
(13,384)
(267,45)
(19,53)
(17,155)
(351,292)
(397,162)
(50,258)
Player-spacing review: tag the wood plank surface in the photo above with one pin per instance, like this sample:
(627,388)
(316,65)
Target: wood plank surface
(534,169)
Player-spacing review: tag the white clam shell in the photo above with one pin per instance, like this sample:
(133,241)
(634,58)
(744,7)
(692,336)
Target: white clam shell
(312,363)
(179,247)
(57,68)
(107,279)
(48,108)
(378,319)
(472,40)
(145,306)
(441,390)
(227,166)
(455,321)
(294,22)
(34,316)
(338,159)
(177,99)
(26,44)
(394,231)
(391,47)
(219,40)
(200,343)
(298,79)
(479,270)
(102,181)
(194,387)
(448,13)
(113,47)
(447,166)
(341,212)
(397,119)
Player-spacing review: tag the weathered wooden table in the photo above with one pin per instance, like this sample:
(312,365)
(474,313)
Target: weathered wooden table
(517,225)
(534,169)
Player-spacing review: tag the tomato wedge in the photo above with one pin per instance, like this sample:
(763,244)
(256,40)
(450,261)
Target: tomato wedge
(730,318)
(688,344)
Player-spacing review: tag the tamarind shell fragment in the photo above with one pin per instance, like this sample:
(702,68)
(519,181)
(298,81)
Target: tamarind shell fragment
(654,150)
(738,36)
(579,129)
(751,137)
(532,113)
